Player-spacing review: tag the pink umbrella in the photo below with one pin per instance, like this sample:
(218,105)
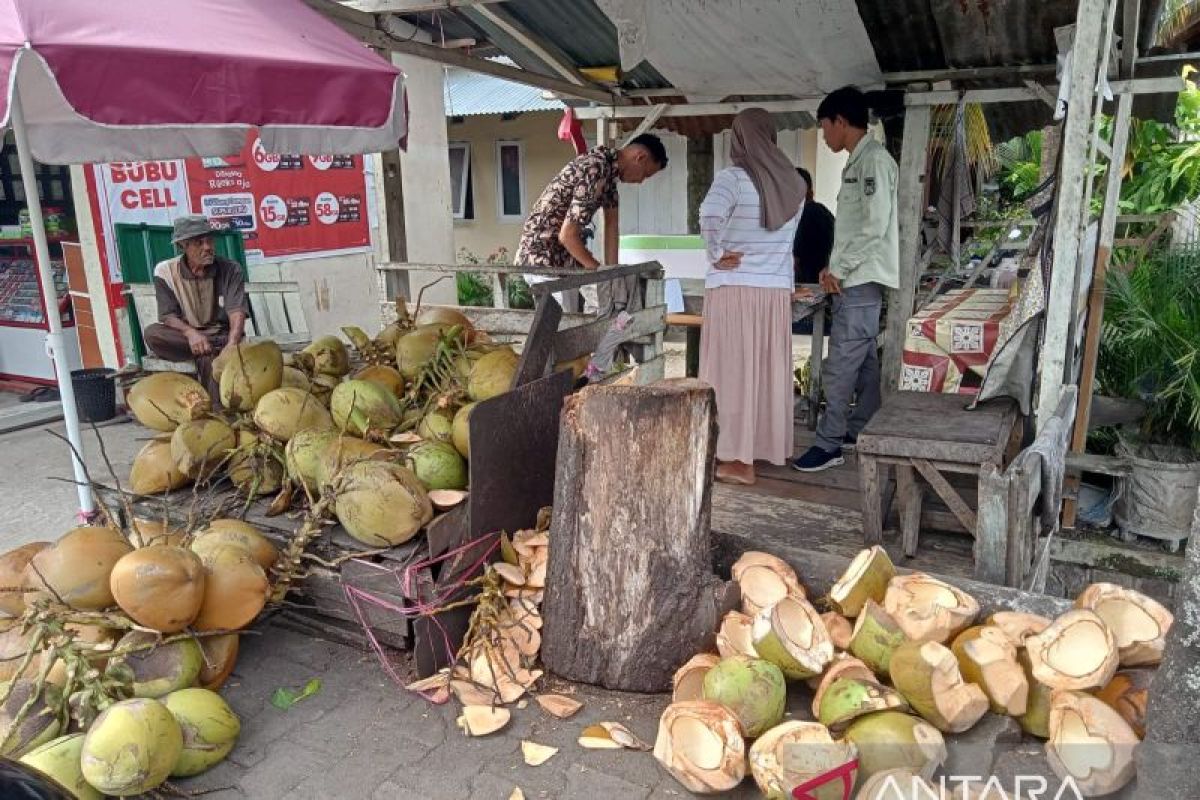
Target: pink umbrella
(121,80)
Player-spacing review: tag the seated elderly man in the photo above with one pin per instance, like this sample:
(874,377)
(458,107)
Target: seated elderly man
(202,306)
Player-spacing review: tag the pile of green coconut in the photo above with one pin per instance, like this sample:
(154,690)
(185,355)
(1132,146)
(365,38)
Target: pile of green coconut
(894,665)
(379,428)
(114,644)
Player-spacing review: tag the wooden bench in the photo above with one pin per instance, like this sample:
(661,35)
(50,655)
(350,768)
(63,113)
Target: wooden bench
(275,313)
(926,435)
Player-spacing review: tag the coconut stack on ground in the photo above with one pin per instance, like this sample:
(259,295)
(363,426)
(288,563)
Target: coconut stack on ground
(898,665)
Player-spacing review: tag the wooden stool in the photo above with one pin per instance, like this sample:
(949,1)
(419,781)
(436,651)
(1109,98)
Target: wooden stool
(928,434)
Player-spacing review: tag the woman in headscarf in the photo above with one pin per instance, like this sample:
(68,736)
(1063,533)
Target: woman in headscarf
(748,221)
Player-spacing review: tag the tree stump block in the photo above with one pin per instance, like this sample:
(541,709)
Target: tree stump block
(630,591)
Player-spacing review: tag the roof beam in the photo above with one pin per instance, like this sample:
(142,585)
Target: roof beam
(411,6)
(544,51)
(1167,85)
(368,29)
(967,73)
(698,109)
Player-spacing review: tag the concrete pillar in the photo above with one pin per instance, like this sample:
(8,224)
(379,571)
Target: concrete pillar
(97,284)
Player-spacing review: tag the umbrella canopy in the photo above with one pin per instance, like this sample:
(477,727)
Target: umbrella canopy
(122,80)
(129,80)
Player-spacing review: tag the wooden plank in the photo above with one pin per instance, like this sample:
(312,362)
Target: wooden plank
(687,320)
(537,356)
(295,312)
(992,526)
(872,512)
(937,427)
(1101,464)
(1107,553)
(582,339)
(911,197)
(816,357)
(947,492)
(909,494)
(649,269)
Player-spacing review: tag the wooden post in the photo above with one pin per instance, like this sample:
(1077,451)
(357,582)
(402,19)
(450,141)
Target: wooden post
(1167,757)
(911,199)
(699,178)
(395,283)
(630,592)
(1060,306)
(1095,318)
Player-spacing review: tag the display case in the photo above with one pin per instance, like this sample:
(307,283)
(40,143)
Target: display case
(23,324)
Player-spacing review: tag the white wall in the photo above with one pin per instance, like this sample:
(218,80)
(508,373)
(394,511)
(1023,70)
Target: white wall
(659,206)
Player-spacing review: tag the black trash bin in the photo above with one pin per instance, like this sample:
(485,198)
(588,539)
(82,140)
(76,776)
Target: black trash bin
(95,394)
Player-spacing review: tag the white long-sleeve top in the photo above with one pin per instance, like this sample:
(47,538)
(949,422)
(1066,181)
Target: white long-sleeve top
(731,219)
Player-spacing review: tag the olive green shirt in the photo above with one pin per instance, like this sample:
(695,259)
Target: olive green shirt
(866,237)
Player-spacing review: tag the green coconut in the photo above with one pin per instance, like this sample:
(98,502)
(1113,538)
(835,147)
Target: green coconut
(303,454)
(39,725)
(59,759)
(390,334)
(330,356)
(794,753)
(255,467)
(323,385)
(381,504)
(209,726)
(847,699)
(295,378)
(341,451)
(362,408)
(492,375)
(251,372)
(284,412)
(131,748)
(387,377)
(198,447)
(753,689)
(437,425)
(417,348)
(154,470)
(165,399)
(461,430)
(791,635)
(438,465)
(158,670)
(893,740)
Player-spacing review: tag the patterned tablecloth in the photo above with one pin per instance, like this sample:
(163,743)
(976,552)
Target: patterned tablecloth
(951,338)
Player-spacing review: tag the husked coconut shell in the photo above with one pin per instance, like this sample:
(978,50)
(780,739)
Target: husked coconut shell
(363,408)
(303,454)
(1138,622)
(790,635)
(1090,743)
(1017,625)
(284,412)
(12,576)
(330,356)
(794,753)
(688,681)
(865,579)
(929,610)
(209,726)
(199,447)
(220,656)
(251,372)
(157,668)
(1077,652)
(700,744)
(165,399)
(131,748)
(736,635)
(236,590)
(39,725)
(159,587)
(383,375)
(764,580)
(59,758)
(492,375)
(381,504)
(154,470)
(76,568)
(241,534)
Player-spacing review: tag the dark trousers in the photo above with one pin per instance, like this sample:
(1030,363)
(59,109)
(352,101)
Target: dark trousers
(172,345)
(852,368)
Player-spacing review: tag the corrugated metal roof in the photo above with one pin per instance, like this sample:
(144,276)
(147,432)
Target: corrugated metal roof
(471,94)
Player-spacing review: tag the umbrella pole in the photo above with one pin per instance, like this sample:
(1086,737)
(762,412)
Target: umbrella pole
(54,339)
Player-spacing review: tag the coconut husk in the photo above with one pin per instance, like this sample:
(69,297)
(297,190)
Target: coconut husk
(446,499)
(76,568)
(1090,743)
(12,576)
(235,532)
(1036,719)
(700,744)
(764,580)
(163,400)
(1128,694)
(791,636)
(381,504)
(220,657)
(989,661)
(1017,625)
(556,705)
(842,666)
(839,628)
(160,587)
(154,470)
(752,688)
(483,720)
(992,634)
(199,447)
(236,589)
(329,356)
(537,754)
(793,753)
(876,635)
(688,681)
(893,740)
(846,699)
(252,370)
(284,412)
(927,674)
(865,579)
(596,737)
(1076,653)
(735,636)
(929,610)
(1139,623)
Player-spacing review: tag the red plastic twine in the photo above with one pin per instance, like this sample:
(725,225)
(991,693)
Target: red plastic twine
(845,772)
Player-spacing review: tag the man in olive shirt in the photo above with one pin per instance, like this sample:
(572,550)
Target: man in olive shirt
(202,306)
(865,261)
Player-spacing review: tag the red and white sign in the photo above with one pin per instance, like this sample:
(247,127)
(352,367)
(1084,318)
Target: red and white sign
(144,192)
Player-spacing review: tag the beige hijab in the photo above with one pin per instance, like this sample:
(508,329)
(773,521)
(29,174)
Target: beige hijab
(780,189)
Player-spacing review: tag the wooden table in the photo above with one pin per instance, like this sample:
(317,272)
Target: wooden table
(928,434)
(809,307)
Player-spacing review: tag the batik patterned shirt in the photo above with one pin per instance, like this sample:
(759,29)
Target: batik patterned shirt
(586,184)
